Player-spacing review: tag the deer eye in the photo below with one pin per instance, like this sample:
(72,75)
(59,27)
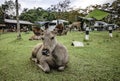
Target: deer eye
(52,38)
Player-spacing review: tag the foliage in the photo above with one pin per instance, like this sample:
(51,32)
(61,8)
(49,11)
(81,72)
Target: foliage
(61,6)
(116,8)
(97,61)
(36,14)
(57,11)
(113,10)
(46,15)
(1,15)
(9,8)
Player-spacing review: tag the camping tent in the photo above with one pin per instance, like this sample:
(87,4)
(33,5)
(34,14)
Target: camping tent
(97,14)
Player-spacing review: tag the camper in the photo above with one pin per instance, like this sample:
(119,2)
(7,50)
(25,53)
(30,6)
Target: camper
(54,23)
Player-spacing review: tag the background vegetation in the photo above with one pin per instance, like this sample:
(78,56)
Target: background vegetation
(61,10)
(99,60)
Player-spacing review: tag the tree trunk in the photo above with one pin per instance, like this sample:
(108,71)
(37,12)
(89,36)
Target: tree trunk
(18,24)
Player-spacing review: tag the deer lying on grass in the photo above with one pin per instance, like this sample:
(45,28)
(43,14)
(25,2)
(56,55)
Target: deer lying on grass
(50,54)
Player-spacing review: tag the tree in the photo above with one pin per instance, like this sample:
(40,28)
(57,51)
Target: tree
(37,14)
(60,9)
(32,15)
(114,10)
(1,15)
(17,18)
(73,14)
(9,9)
(25,10)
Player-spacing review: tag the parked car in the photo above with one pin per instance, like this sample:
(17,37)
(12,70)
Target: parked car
(54,23)
(114,26)
(100,25)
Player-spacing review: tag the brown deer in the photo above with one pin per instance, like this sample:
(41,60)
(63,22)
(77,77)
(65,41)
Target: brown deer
(50,54)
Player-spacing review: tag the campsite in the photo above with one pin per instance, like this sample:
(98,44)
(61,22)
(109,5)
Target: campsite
(59,40)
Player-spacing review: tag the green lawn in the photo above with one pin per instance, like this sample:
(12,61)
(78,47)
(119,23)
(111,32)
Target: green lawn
(99,60)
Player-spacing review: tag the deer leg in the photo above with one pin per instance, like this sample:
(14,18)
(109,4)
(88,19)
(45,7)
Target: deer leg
(61,68)
(44,66)
(34,59)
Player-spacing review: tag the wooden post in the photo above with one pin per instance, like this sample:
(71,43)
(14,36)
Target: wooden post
(110,31)
(17,18)
(87,33)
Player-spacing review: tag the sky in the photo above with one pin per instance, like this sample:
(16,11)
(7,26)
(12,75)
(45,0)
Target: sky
(47,3)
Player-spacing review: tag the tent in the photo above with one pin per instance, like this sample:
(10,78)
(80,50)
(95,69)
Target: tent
(97,14)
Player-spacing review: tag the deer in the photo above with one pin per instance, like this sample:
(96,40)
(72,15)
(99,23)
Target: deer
(50,53)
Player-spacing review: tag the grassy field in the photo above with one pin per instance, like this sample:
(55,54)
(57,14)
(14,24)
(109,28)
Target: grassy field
(99,60)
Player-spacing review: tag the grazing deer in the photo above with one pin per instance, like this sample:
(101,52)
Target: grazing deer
(50,54)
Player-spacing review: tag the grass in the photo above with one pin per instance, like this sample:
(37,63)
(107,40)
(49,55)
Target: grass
(99,60)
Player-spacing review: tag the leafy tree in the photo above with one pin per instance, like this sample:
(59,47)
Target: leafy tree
(114,10)
(73,14)
(9,8)
(60,9)
(1,15)
(37,14)
(25,10)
